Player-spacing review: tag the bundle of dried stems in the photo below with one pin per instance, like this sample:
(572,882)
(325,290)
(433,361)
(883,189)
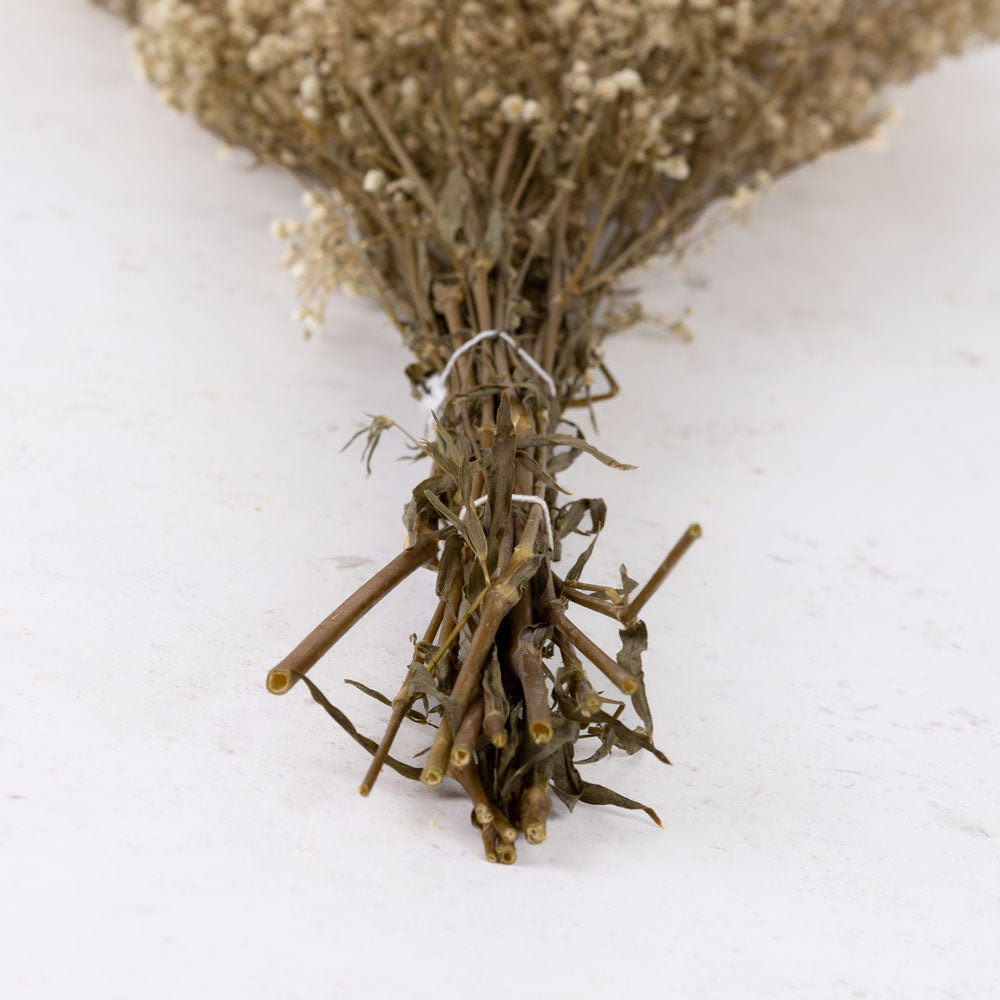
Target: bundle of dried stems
(488,170)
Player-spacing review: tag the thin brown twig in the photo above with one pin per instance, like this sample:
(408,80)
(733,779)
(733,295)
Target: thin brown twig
(465,739)
(401,704)
(631,612)
(282,678)
(526,662)
(615,673)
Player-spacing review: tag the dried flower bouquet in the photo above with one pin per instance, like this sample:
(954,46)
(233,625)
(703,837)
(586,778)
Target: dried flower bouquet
(488,170)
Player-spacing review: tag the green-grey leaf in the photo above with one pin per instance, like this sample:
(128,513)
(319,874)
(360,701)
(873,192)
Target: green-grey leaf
(635,640)
(598,795)
(406,770)
(577,444)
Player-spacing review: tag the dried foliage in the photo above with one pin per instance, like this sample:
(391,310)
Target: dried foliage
(498,165)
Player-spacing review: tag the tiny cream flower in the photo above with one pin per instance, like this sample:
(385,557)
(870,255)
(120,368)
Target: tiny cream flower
(878,140)
(676,167)
(606,89)
(531,111)
(564,12)
(627,80)
(670,105)
(310,89)
(409,92)
(512,107)
(741,200)
(374,180)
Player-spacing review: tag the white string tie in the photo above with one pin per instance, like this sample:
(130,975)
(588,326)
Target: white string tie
(520,498)
(437,384)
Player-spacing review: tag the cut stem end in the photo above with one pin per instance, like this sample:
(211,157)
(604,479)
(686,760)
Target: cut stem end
(431,776)
(541,732)
(506,853)
(279,680)
(535,833)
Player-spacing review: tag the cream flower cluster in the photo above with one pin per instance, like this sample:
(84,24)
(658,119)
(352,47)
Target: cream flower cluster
(479,138)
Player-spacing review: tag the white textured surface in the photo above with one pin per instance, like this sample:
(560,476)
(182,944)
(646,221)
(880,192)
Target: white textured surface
(175,515)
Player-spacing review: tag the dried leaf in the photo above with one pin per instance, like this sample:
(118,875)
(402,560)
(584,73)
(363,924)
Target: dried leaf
(575,444)
(628,584)
(450,204)
(418,717)
(599,795)
(475,535)
(371,692)
(501,481)
(510,749)
(417,505)
(447,513)
(494,235)
(421,682)
(613,733)
(373,432)
(568,517)
(541,474)
(406,770)
(493,690)
(564,731)
(523,573)
(635,640)
(449,566)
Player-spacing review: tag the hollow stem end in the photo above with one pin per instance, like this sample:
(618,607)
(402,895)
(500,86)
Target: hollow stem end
(541,732)
(431,776)
(506,853)
(279,680)
(534,832)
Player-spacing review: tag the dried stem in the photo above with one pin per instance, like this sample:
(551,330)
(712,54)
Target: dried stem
(401,704)
(588,602)
(615,673)
(489,835)
(504,827)
(631,612)
(588,701)
(465,739)
(534,807)
(468,777)
(506,852)
(307,653)
(494,721)
(526,661)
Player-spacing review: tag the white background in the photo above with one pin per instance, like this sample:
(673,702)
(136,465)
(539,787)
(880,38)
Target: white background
(175,516)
